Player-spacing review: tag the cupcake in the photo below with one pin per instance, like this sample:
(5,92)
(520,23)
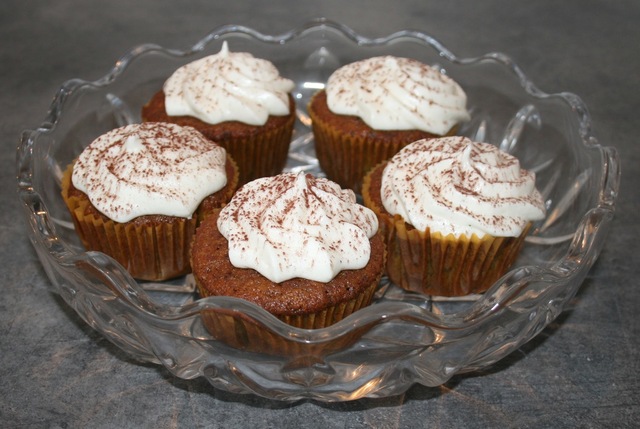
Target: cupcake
(137,192)
(236,100)
(454,214)
(372,108)
(296,245)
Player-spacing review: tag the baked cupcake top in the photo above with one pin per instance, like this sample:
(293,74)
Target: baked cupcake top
(453,185)
(391,93)
(152,168)
(296,225)
(228,86)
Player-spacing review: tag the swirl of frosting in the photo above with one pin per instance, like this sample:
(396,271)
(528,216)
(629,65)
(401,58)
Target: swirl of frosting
(453,185)
(295,225)
(391,93)
(228,87)
(152,168)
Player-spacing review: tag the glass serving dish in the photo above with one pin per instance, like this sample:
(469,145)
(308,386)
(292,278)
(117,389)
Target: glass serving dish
(402,338)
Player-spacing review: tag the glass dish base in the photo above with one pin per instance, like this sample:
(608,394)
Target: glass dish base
(401,339)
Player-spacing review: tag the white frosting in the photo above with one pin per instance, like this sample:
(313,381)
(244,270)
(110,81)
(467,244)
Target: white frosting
(390,93)
(152,168)
(453,185)
(228,87)
(296,225)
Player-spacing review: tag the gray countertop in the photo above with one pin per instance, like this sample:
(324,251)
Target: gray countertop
(581,371)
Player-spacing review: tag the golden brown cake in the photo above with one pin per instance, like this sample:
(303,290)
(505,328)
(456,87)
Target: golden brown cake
(298,246)
(370,109)
(475,222)
(252,118)
(151,246)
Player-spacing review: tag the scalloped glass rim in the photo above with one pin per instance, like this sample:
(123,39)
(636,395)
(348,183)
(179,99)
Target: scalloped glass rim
(403,338)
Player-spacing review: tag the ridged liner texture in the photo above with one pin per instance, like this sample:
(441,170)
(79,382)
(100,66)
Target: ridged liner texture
(149,249)
(245,334)
(433,264)
(259,151)
(347,148)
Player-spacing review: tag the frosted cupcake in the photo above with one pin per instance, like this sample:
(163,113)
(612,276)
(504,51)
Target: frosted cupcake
(238,101)
(372,108)
(136,193)
(454,213)
(296,245)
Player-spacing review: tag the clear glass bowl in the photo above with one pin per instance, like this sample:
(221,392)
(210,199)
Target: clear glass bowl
(402,338)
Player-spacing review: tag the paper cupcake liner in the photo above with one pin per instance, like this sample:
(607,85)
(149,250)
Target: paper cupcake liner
(259,151)
(261,155)
(147,250)
(347,148)
(150,248)
(346,158)
(429,263)
(237,330)
(433,264)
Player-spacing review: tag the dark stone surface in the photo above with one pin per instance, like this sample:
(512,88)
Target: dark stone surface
(581,371)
